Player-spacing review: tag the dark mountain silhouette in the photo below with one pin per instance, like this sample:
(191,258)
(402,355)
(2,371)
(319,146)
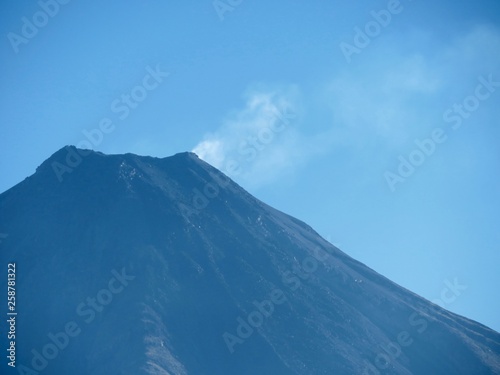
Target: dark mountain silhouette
(129,264)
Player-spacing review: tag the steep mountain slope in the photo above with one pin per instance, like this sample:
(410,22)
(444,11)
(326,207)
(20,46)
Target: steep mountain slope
(137,265)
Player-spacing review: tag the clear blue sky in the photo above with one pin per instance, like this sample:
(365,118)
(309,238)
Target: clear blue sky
(354,106)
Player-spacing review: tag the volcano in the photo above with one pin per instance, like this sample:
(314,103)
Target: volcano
(127,264)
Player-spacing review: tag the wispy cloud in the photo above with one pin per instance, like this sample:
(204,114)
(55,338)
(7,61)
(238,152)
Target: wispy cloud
(396,101)
(259,142)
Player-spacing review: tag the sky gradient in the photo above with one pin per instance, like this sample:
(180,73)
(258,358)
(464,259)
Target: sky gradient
(377,123)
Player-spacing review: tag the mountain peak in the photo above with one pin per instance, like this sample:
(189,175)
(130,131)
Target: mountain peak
(72,165)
